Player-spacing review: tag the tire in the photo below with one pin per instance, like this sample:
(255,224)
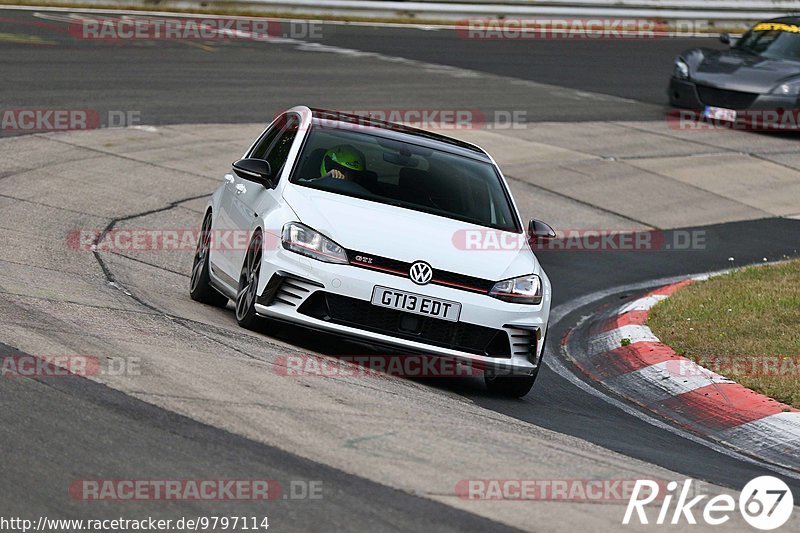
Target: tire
(200,288)
(510,386)
(248,284)
(514,386)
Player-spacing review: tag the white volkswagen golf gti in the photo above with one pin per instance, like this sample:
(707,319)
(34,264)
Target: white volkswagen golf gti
(378,232)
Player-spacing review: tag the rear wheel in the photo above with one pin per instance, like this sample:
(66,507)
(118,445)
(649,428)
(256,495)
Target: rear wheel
(248,284)
(200,288)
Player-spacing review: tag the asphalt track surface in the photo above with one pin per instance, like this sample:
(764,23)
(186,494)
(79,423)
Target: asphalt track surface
(239,81)
(56,430)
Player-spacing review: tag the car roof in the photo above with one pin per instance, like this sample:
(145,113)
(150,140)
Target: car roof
(399,132)
(789,19)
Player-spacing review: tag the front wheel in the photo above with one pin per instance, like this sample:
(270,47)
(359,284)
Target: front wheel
(510,386)
(200,288)
(514,386)
(248,284)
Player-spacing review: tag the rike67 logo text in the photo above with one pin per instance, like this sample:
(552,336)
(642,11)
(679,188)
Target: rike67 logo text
(765,503)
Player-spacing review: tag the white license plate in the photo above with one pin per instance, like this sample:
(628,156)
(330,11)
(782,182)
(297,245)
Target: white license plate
(720,113)
(416,303)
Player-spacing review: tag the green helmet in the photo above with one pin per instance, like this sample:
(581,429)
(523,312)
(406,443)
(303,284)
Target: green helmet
(344,158)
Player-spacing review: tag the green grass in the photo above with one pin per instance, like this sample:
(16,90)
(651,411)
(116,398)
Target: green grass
(744,325)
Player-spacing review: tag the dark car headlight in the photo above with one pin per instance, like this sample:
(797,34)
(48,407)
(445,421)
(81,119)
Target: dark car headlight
(787,88)
(681,69)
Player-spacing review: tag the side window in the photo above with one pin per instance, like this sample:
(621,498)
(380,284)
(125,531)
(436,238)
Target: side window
(274,146)
(260,150)
(279,151)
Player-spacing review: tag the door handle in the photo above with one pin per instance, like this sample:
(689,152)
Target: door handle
(228,179)
(240,189)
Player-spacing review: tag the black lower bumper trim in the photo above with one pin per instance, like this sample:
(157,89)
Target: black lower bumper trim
(361,314)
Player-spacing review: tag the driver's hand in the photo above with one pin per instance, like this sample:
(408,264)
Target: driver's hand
(337,174)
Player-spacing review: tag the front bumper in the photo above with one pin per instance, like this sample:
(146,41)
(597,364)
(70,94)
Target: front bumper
(490,333)
(690,95)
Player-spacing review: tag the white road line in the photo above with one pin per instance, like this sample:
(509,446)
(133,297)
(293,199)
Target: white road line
(436,68)
(365,23)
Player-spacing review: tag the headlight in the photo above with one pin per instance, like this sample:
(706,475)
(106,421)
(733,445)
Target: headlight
(305,241)
(522,290)
(789,88)
(681,69)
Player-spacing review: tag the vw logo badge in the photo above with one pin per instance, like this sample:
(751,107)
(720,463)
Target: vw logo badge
(420,273)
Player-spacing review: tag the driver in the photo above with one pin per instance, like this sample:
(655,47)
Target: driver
(343,162)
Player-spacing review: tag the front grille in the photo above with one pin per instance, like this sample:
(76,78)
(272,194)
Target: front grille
(401,268)
(469,338)
(725,98)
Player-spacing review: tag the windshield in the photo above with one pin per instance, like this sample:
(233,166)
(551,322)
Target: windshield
(773,40)
(405,175)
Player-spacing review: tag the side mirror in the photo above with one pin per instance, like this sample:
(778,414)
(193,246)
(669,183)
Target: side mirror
(538,230)
(251,169)
(725,38)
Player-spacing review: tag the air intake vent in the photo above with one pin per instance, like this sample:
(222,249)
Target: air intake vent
(287,290)
(291,293)
(523,343)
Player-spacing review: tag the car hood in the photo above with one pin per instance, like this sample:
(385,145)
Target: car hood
(737,71)
(407,235)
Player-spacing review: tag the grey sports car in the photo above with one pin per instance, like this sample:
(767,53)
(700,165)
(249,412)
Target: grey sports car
(759,75)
